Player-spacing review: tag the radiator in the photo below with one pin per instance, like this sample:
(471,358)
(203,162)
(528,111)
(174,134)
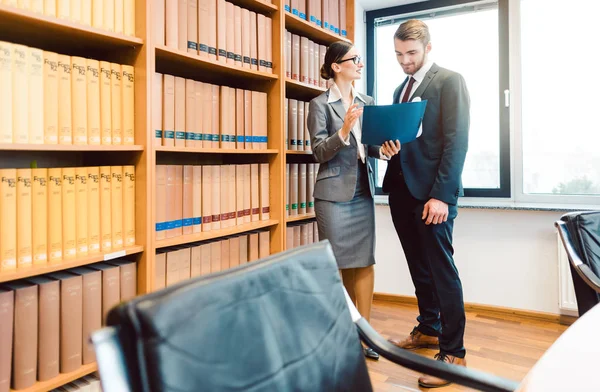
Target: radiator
(566,293)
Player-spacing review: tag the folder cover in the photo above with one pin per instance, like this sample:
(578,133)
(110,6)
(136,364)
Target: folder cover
(392,122)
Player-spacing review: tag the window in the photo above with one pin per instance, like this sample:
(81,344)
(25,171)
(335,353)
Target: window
(560,132)
(467,39)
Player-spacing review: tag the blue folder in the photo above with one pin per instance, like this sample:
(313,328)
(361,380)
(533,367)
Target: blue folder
(392,122)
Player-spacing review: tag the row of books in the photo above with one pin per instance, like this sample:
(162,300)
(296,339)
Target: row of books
(176,264)
(193,199)
(188,113)
(50,98)
(300,186)
(89,383)
(300,234)
(52,215)
(112,15)
(296,125)
(217,30)
(327,14)
(303,60)
(47,320)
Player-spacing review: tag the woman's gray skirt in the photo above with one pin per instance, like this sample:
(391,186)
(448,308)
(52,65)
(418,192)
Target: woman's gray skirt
(350,226)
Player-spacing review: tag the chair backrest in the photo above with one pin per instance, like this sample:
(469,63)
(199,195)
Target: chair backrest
(580,233)
(277,324)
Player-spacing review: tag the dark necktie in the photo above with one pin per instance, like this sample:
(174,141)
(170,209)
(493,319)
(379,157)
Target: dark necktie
(411,81)
(395,161)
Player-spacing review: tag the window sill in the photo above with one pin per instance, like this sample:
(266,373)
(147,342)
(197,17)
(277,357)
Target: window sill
(509,205)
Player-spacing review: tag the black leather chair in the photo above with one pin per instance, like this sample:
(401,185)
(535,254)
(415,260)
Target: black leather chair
(283,323)
(580,235)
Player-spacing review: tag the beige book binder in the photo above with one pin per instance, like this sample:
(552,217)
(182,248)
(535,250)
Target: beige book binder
(239,119)
(69,216)
(160,262)
(334,14)
(237,27)
(264,192)
(199,90)
(207,116)
(105,103)
(128,17)
(93,101)
(63,9)
(287,6)
(311,62)
(309,229)
(25,334)
(158,9)
(81,210)
(232,196)
(6,96)
(316,64)
(190,113)
(230,32)
(205,258)
(129,205)
(216,197)
(264,244)
(302,189)
(293,125)
(288,54)
(215,256)
(172,267)
(289,237)
(119,17)
(326,20)
(253,251)
(127,111)
(221,31)
(256,120)
(234,252)
(116,206)
(55,216)
(197,199)
(243,248)
(224,120)
(206,198)
(239,192)
(172,24)
(179,112)
(192,27)
(295,57)
(322,51)
(304,234)
(35,77)
(215,117)
(23,218)
(253,42)
(39,200)
(116,100)
(302,9)
(247,194)
(108,14)
(293,189)
(71,320)
(300,126)
(296,231)
(188,199)
(225,255)
(255,192)
(20,94)
(311,16)
(195,260)
(304,59)
(178,226)
(294,6)
(269,38)
(203,29)
(307,144)
(224,190)
(111,287)
(261,42)
(161,202)
(212,27)
(97,12)
(315,232)
(157,100)
(7,300)
(342,18)
(93,184)
(310,188)
(171,197)
(105,210)
(79,100)
(168,113)
(246,38)
(128,278)
(248,114)
(49,7)
(287,190)
(182,25)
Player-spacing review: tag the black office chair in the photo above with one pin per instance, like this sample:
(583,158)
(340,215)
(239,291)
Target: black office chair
(580,235)
(283,323)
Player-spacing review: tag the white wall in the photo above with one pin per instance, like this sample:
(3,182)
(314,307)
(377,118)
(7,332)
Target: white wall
(360,42)
(505,258)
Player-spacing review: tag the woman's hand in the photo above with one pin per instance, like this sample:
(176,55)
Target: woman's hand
(389,148)
(352,115)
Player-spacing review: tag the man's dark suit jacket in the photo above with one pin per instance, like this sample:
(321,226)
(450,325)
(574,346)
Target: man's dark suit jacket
(432,164)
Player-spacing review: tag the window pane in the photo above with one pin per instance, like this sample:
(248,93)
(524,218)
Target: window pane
(561,132)
(476,58)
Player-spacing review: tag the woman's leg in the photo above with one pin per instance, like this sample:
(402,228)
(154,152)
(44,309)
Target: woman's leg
(364,281)
(348,279)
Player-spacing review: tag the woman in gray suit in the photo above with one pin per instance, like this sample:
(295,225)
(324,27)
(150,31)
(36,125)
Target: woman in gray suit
(345,187)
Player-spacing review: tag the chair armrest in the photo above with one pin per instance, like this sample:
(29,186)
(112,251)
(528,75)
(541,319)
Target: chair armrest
(111,360)
(583,270)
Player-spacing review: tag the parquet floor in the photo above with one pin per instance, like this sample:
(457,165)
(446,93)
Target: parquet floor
(504,345)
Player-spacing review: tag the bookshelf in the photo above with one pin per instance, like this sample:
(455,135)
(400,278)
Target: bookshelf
(147,57)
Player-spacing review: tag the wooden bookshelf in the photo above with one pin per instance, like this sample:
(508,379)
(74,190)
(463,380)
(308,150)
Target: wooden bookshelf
(61,379)
(214,150)
(302,91)
(293,152)
(313,32)
(62,147)
(257,5)
(209,235)
(299,218)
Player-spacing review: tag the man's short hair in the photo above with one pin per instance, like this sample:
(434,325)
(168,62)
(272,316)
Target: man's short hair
(413,29)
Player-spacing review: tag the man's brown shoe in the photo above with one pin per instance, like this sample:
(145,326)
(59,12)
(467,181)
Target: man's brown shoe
(434,382)
(417,340)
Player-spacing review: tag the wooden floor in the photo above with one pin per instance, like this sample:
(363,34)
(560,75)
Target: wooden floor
(504,345)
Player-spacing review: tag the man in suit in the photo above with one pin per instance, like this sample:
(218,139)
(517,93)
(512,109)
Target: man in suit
(424,183)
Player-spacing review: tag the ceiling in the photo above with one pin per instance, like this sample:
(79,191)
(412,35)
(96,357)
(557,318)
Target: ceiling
(369,5)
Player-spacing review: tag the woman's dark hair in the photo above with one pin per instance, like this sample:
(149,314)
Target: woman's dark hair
(335,52)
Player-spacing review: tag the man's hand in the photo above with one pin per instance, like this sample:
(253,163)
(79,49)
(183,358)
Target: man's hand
(389,148)
(435,211)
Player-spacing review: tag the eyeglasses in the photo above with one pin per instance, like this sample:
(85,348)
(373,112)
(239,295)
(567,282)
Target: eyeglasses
(356,60)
